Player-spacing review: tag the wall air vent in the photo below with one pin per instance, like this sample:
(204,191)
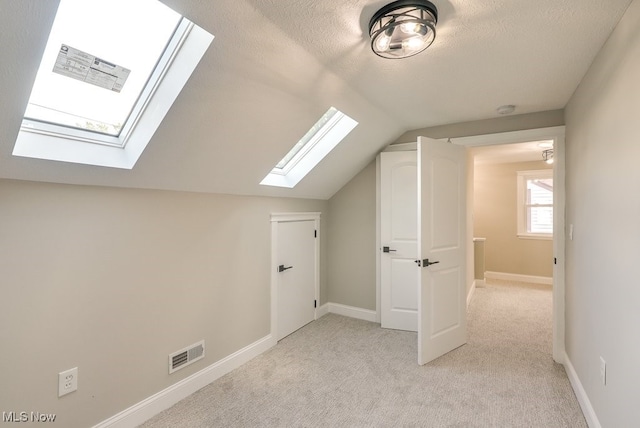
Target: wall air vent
(186,356)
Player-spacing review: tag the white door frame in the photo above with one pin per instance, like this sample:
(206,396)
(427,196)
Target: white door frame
(282,218)
(557,134)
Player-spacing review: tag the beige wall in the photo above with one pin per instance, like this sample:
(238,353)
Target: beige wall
(352,242)
(112,281)
(603,203)
(495,219)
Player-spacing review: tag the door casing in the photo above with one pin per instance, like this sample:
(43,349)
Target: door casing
(557,134)
(289,217)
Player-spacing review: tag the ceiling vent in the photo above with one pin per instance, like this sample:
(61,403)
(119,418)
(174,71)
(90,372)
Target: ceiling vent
(186,356)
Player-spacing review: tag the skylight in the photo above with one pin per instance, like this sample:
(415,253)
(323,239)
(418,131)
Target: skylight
(323,137)
(105,64)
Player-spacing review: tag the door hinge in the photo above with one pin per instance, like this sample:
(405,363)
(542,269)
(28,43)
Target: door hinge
(315,233)
(315,303)
(555,261)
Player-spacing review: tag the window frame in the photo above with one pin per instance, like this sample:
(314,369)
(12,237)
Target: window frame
(522,206)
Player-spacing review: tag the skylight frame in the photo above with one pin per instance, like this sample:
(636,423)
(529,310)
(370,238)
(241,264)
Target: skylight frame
(61,143)
(317,147)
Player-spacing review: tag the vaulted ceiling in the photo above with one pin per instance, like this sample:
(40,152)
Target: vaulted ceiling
(275,67)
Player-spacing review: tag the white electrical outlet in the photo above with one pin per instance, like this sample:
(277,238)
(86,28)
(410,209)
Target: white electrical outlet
(67,381)
(603,371)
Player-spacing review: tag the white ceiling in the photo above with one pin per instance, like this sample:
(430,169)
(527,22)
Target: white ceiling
(275,67)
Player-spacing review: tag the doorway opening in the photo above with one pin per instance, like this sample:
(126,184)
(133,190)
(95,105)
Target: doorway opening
(554,134)
(509,141)
(513,190)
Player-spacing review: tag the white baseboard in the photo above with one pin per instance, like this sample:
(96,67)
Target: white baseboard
(476,282)
(520,278)
(581,394)
(352,312)
(322,311)
(146,409)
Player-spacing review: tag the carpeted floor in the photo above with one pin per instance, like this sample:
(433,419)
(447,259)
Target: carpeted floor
(343,372)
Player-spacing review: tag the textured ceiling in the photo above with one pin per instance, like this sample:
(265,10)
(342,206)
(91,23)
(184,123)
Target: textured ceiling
(274,67)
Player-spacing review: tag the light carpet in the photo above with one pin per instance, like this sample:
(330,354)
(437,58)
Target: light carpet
(343,372)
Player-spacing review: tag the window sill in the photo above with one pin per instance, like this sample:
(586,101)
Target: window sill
(546,237)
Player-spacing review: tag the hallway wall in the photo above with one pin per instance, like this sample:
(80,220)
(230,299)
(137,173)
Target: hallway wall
(603,205)
(495,218)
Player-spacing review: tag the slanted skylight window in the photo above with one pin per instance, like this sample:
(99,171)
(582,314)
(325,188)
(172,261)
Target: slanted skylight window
(323,137)
(106,64)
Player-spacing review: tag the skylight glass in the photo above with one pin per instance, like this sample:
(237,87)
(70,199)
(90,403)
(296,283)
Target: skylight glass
(109,74)
(99,56)
(318,141)
(306,141)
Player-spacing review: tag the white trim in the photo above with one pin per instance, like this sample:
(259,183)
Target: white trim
(151,406)
(581,394)
(473,290)
(378,240)
(518,277)
(290,217)
(322,311)
(353,312)
(402,147)
(512,137)
(282,217)
(540,237)
(559,198)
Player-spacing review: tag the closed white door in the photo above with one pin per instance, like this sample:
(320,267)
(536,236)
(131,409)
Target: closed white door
(296,270)
(442,324)
(399,240)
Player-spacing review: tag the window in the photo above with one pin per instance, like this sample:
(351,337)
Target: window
(107,63)
(535,204)
(319,140)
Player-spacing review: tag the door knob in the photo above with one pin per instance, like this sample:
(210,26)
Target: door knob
(281,268)
(425,262)
(387,250)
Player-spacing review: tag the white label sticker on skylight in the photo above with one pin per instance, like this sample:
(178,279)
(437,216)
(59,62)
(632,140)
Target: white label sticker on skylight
(88,68)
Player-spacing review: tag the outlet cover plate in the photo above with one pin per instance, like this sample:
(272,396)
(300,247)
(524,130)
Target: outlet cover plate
(67,381)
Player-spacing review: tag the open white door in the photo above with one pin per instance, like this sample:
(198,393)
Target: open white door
(442,319)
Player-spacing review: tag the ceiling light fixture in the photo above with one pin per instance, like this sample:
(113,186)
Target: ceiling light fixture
(547,156)
(403,28)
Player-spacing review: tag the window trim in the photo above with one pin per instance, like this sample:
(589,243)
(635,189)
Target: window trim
(61,143)
(522,177)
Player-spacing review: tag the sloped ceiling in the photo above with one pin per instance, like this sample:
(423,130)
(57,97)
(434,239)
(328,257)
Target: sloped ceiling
(275,67)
